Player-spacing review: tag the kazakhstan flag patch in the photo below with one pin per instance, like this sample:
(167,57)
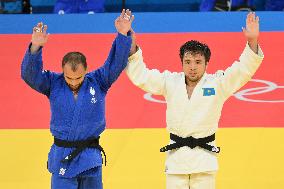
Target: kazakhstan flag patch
(208,91)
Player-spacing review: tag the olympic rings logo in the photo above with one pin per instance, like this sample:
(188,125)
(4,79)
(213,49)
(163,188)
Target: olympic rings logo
(244,95)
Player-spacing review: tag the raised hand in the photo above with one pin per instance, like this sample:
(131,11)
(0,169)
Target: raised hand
(252,26)
(251,31)
(39,36)
(124,21)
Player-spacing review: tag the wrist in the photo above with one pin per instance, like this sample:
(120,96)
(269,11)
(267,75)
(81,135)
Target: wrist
(34,48)
(253,44)
(133,50)
(123,33)
(252,40)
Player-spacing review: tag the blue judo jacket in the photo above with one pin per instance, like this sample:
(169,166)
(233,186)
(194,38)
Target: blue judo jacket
(71,119)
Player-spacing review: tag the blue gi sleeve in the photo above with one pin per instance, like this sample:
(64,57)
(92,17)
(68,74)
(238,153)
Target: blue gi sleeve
(115,63)
(33,74)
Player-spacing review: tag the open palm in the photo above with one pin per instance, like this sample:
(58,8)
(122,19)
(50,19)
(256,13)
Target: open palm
(39,36)
(252,26)
(124,21)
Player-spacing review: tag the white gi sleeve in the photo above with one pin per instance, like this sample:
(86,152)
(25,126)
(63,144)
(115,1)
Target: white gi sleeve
(151,81)
(237,75)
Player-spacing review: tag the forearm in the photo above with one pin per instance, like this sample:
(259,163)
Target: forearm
(253,44)
(120,54)
(34,48)
(241,71)
(134,48)
(115,63)
(32,63)
(148,80)
(32,71)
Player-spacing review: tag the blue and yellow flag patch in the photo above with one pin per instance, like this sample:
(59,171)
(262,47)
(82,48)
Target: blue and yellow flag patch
(208,91)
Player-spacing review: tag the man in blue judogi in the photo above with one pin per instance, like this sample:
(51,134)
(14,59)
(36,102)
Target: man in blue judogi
(77,101)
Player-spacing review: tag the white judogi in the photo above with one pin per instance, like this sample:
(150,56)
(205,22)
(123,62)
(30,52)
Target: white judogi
(198,116)
(204,180)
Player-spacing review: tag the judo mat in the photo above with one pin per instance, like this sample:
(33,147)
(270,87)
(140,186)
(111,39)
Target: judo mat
(251,127)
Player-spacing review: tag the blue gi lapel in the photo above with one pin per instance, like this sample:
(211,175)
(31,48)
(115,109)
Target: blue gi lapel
(77,110)
(76,105)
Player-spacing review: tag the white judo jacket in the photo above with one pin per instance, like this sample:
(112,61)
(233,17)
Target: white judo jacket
(198,116)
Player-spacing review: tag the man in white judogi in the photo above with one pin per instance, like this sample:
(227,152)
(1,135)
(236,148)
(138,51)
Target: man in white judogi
(194,103)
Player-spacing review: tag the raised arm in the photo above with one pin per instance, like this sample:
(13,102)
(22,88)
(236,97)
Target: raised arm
(242,70)
(118,55)
(32,68)
(151,81)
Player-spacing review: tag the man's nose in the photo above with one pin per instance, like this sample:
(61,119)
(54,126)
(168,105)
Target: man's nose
(192,67)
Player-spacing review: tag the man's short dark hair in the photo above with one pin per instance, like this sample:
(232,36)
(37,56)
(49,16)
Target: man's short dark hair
(74,59)
(195,47)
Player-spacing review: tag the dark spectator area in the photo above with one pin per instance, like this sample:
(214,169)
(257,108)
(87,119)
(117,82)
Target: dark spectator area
(98,6)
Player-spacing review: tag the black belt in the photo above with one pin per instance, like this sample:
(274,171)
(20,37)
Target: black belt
(79,146)
(191,142)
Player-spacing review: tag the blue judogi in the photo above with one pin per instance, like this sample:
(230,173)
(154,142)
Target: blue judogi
(71,119)
(91,179)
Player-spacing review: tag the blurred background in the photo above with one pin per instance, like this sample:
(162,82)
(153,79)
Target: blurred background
(251,127)
(99,6)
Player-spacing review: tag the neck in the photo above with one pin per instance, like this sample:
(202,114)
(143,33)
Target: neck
(191,83)
(75,91)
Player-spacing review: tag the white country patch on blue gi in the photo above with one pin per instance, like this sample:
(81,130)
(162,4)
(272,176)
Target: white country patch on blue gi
(93,92)
(62,171)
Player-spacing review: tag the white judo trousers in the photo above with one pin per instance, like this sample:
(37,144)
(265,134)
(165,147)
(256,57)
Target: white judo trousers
(205,180)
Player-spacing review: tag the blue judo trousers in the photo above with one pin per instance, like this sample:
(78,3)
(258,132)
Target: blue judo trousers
(76,119)
(86,180)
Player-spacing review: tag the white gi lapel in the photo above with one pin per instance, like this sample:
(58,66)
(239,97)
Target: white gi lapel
(190,104)
(197,90)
